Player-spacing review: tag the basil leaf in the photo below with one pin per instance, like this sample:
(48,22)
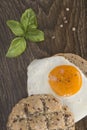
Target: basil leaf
(15,27)
(17,47)
(35,35)
(28,19)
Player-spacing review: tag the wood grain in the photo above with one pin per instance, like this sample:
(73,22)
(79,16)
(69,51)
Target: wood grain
(52,15)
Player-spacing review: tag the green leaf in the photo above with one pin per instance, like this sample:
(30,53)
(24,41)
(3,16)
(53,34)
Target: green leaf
(35,35)
(17,47)
(28,19)
(15,27)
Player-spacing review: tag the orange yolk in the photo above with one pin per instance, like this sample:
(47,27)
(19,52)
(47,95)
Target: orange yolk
(65,80)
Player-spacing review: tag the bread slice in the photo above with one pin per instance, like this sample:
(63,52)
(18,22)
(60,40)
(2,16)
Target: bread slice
(40,112)
(77,60)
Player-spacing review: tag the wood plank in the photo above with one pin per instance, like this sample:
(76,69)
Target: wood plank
(65,27)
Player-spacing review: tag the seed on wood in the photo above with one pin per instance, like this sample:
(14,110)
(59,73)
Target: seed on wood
(61,25)
(73,29)
(65,21)
(67,9)
(53,37)
(64,18)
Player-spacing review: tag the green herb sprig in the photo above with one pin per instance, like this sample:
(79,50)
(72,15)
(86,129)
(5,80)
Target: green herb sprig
(24,30)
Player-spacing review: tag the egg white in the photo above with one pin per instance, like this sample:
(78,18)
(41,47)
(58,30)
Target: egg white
(37,83)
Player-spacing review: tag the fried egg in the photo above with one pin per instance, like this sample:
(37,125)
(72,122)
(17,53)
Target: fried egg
(61,78)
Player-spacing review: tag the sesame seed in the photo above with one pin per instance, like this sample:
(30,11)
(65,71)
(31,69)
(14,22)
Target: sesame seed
(67,9)
(65,21)
(61,25)
(53,37)
(73,29)
(64,18)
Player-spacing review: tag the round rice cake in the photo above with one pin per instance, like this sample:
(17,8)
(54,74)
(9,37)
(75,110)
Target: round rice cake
(40,112)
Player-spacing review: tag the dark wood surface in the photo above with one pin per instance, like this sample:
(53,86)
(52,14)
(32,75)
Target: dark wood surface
(51,16)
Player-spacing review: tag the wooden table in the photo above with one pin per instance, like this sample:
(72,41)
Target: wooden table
(65,27)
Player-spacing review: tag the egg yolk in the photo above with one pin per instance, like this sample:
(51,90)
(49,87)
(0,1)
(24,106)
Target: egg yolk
(65,80)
